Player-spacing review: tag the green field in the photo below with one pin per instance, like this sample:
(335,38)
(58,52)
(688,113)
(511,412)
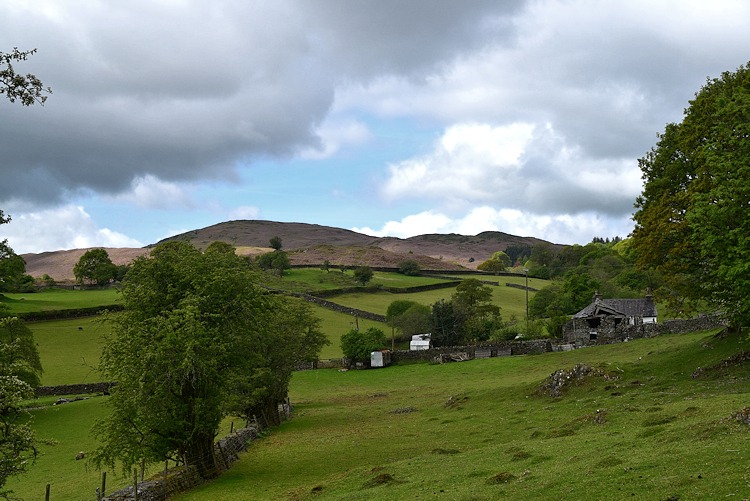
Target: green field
(58,299)
(69,349)
(478,430)
(501,439)
(473,430)
(512,301)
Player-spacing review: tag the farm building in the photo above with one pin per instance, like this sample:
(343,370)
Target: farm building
(380,358)
(610,320)
(421,342)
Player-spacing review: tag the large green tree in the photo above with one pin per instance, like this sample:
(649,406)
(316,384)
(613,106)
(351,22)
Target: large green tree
(363,274)
(95,266)
(20,370)
(19,361)
(499,261)
(409,317)
(290,336)
(197,333)
(693,216)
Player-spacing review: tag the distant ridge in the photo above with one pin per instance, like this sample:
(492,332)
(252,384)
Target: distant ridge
(311,244)
(466,251)
(257,233)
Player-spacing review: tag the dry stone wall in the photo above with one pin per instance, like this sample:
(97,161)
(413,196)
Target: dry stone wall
(183,478)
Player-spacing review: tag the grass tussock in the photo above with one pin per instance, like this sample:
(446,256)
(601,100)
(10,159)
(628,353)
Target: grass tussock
(503,477)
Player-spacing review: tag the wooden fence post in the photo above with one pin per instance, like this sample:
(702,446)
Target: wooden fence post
(46,495)
(223,456)
(104,483)
(135,484)
(166,470)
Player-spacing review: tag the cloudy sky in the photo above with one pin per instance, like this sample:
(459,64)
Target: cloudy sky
(389,117)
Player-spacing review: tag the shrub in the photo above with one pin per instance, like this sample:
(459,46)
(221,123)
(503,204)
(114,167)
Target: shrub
(357,345)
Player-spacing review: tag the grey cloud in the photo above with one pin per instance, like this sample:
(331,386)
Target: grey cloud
(369,38)
(187,91)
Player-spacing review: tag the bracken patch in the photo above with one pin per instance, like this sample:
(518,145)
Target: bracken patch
(503,477)
(382,479)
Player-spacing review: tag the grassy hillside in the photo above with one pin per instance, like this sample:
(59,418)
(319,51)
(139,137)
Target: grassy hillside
(480,430)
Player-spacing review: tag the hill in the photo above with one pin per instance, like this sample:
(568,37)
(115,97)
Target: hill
(311,244)
(59,264)
(461,250)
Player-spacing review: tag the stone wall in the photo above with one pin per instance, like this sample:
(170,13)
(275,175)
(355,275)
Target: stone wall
(506,348)
(183,478)
(73,389)
(578,332)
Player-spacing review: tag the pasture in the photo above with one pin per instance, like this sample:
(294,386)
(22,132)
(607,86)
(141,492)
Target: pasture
(481,430)
(69,349)
(477,430)
(512,301)
(58,299)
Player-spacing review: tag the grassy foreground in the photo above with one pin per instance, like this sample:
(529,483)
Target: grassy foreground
(476,430)
(480,430)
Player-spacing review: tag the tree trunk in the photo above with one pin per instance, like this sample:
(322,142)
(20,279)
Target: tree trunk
(200,453)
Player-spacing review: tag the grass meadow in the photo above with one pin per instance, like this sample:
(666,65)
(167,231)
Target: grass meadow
(479,430)
(69,349)
(512,301)
(476,430)
(58,299)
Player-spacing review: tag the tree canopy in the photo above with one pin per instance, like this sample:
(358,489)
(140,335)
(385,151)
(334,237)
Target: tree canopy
(357,345)
(277,260)
(95,266)
(469,315)
(363,274)
(12,266)
(27,89)
(410,267)
(20,369)
(275,243)
(198,338)
(409,317)
(499,261)
(693,216)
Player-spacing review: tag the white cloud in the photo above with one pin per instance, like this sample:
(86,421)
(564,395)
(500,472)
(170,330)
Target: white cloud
(470,162)
(153,193)
(556,228)
(417,224)
(516,166)
(67,227)
(336,134)
(244,212)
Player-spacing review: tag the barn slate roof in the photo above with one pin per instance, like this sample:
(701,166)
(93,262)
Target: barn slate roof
(641,307)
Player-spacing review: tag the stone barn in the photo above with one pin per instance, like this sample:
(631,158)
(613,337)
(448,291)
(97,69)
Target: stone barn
(610,320)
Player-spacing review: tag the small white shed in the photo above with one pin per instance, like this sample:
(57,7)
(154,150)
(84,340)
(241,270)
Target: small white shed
(421,342)
(380,358)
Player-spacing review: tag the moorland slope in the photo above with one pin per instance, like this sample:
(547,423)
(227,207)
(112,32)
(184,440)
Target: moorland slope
(312,244)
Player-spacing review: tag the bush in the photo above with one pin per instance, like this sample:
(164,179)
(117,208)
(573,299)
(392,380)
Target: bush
(357,345)
(363,274)
(409,267)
